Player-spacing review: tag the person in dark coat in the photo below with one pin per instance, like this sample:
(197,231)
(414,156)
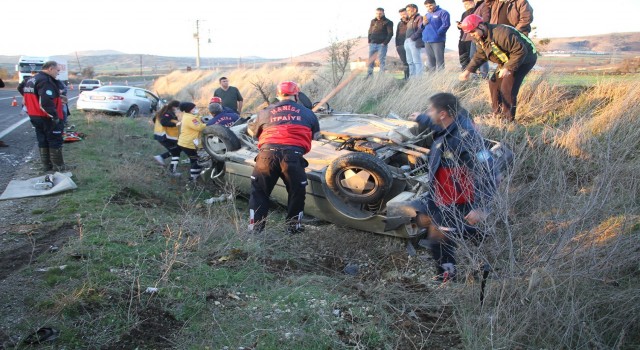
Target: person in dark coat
(401,36)
(515,55)
(380,34)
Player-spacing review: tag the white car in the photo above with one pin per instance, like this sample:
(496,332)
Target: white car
(129,101)
(89,84)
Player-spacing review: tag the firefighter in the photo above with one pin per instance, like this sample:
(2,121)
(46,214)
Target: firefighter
(166,132)
(284,131)
(42,100)
(463,181)
(514,53)
(221,115)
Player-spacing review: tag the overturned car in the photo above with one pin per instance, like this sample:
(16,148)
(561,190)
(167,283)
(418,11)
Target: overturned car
(361,165)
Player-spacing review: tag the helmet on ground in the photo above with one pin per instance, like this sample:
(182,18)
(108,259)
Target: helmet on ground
(215,99)
(470,23)
(288,88)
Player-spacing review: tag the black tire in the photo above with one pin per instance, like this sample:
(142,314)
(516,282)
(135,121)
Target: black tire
(132,112)
(373,182)
(218,140)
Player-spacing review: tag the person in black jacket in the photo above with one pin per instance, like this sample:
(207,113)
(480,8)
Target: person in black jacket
(514,53)
(465,40)
(401,35)
(380,34)
(284,131)
(42,99)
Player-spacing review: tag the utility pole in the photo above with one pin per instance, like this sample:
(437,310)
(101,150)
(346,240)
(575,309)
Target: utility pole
(141,65)
(196,35)
(78,59)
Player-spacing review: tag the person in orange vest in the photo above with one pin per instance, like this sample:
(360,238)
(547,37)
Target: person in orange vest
(43,102)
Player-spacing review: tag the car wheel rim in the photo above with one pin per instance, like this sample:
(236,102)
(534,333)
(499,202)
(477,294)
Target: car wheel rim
(357,181)
(216,145)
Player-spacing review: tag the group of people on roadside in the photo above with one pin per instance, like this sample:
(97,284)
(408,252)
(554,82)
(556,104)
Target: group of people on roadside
(490,31)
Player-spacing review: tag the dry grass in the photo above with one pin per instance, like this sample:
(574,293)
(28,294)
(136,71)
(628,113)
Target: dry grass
(564,238)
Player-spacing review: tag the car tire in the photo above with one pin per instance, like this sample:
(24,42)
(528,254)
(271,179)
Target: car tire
(373,179)
(132,112)
(218,140)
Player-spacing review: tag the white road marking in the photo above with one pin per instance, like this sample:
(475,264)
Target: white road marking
(22,121)
(13,127)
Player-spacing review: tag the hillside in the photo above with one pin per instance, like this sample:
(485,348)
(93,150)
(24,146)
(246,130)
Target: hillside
(614,42)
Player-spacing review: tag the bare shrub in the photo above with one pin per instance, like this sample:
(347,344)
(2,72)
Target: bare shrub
(339,58)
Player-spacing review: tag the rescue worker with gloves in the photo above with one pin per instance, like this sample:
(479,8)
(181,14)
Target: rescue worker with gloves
(514,53)
(462,178)
(284,131)
(43,102)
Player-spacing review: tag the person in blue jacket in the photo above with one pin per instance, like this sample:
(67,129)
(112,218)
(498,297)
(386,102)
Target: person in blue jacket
(463,182)
(434,34)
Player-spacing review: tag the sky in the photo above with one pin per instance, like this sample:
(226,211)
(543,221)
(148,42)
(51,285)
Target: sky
(241,28)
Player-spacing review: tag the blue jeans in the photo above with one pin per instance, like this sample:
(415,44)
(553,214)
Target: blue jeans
(413,57)
(435,55)
(381,49)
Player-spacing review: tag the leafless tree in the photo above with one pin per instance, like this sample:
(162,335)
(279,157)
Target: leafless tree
(339,58)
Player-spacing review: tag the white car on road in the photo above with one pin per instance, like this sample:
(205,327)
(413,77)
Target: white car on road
(129,101)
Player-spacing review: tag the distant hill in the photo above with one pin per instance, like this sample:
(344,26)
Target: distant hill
(96,53)
(112,62)
(614,42)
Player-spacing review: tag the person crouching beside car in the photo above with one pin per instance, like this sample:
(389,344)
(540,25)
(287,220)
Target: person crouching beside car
(221,116)
(463,182)
(166,132)
(190,135)
(284,131)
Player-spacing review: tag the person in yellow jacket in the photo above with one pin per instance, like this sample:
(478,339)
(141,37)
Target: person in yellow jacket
(166,132)
(192,126)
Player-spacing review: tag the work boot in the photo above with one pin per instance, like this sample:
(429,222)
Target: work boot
(45,159)
(58,161)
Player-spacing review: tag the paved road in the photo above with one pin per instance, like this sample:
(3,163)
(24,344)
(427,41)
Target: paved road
(16,132)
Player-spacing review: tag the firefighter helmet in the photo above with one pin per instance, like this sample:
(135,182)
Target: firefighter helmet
(288,88)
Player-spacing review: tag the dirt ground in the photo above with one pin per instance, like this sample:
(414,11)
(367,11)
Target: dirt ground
(26,234)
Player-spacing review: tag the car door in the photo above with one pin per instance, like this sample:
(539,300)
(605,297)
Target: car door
(154,100)
(142,101)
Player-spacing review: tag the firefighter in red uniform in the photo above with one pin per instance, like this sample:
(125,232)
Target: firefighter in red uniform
(461,171)
(284,131)
(44,107)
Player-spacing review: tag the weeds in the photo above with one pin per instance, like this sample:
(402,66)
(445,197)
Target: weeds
(562,244)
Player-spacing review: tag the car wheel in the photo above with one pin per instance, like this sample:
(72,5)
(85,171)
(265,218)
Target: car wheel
(218,140)
(132,112)
(359,178)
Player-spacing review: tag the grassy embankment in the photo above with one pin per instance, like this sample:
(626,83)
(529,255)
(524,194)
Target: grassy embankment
(564,241)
